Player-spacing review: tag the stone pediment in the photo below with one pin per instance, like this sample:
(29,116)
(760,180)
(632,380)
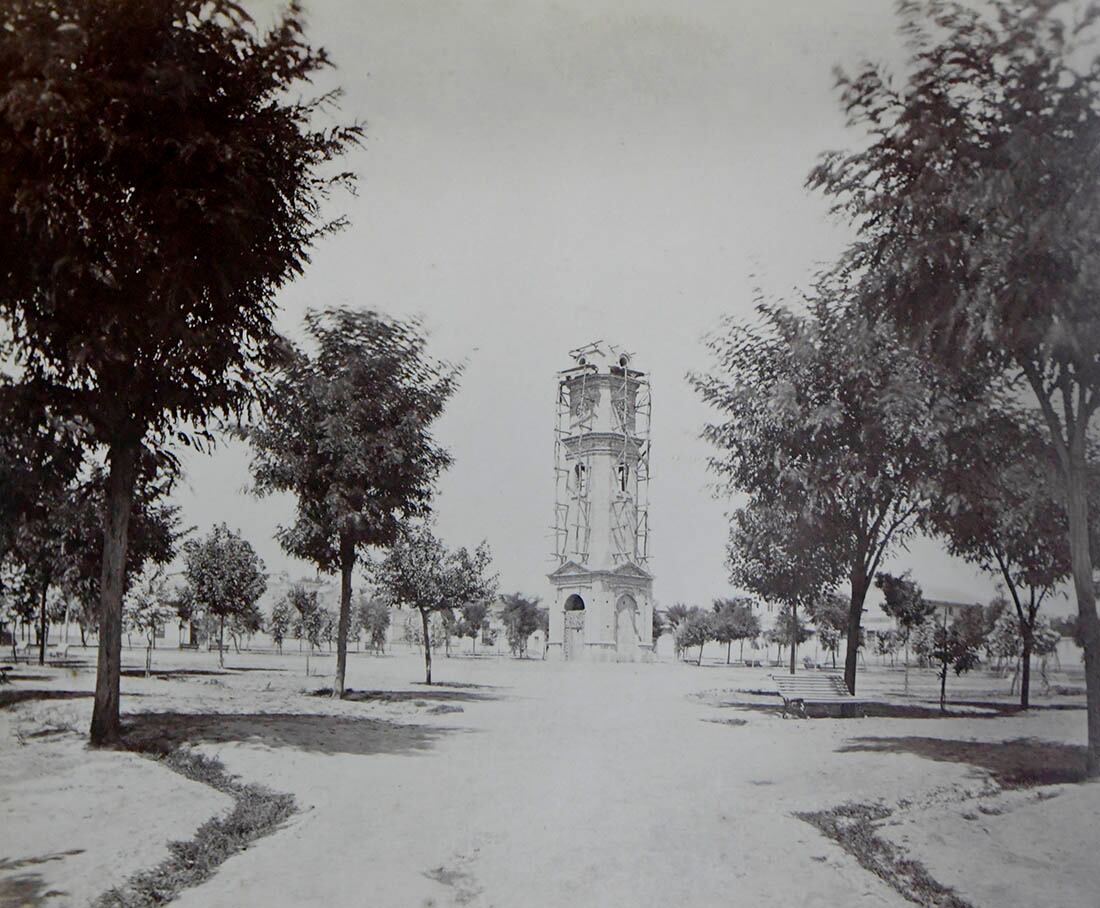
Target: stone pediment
(629,569)
(625,571)
(570,569)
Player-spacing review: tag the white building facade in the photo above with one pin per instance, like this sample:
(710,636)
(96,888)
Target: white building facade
(603,591)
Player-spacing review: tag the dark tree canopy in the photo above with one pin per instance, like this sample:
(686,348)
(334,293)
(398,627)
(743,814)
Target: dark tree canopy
(976,204)
(159,182)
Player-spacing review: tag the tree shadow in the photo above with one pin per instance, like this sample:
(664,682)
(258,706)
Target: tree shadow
(456,685)
(26,890)
(1018,763)
(405,696)
(871,710)
(10,698)
(168,673)
(163,732)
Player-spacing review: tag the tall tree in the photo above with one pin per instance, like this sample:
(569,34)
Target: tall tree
(162,179)
(830,418)
(420,572)
(977,209)
(346,431)
(224,576)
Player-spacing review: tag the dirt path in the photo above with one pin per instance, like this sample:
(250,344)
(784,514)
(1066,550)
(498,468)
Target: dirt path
(597,785)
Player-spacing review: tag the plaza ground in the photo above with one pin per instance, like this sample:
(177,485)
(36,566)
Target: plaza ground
(520,782)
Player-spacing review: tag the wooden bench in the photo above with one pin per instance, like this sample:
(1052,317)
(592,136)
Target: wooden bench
(817,689)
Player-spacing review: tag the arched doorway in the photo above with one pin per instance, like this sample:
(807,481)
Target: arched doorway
(573,641)
(626,627)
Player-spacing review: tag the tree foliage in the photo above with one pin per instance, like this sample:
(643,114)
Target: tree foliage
(162,179)
(420,572)
(521,619)
(225,578)
(833,428)
(345,429)
(976,205)
(695,628)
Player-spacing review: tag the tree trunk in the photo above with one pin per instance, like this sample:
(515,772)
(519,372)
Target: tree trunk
(742,653)
(149,656)
(860,582)
(943,688)
(427,647)
(1025,667)
(122,460)
(1081,561)
(701,645)
(221,641)
(42,624)
(794,635)
(347,563)
(729,649)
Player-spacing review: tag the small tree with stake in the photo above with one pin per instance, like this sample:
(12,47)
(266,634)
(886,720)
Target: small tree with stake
(420,572)
(346,431)
(147,610)
(950,647)
(224,577)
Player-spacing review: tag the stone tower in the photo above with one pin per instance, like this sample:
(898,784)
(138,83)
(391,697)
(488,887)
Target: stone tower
(603,602)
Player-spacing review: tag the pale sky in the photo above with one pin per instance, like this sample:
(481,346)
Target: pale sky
(539,175)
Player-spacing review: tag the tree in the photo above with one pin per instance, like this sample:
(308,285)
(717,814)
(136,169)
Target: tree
(162,182)
(282,619)
(903,600)
(346,431)
(831,419)
(977,213)
(830,618)
(224,576)
(776,554)
(147,610)
(521,619)
(659,627)
(886,644)
(734,619)
(420,572)
(695,628)
(375,618)
(952,647)
(471,620)
(309,622)
(1000,509)
(245,622)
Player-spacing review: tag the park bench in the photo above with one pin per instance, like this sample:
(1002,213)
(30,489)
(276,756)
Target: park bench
(818,689)
(4,669)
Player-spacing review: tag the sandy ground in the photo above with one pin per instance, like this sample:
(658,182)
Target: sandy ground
(531,783)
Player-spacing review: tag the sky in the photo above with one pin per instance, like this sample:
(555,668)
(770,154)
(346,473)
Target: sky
(538,175)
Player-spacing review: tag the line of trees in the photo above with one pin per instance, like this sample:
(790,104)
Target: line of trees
(944,376)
